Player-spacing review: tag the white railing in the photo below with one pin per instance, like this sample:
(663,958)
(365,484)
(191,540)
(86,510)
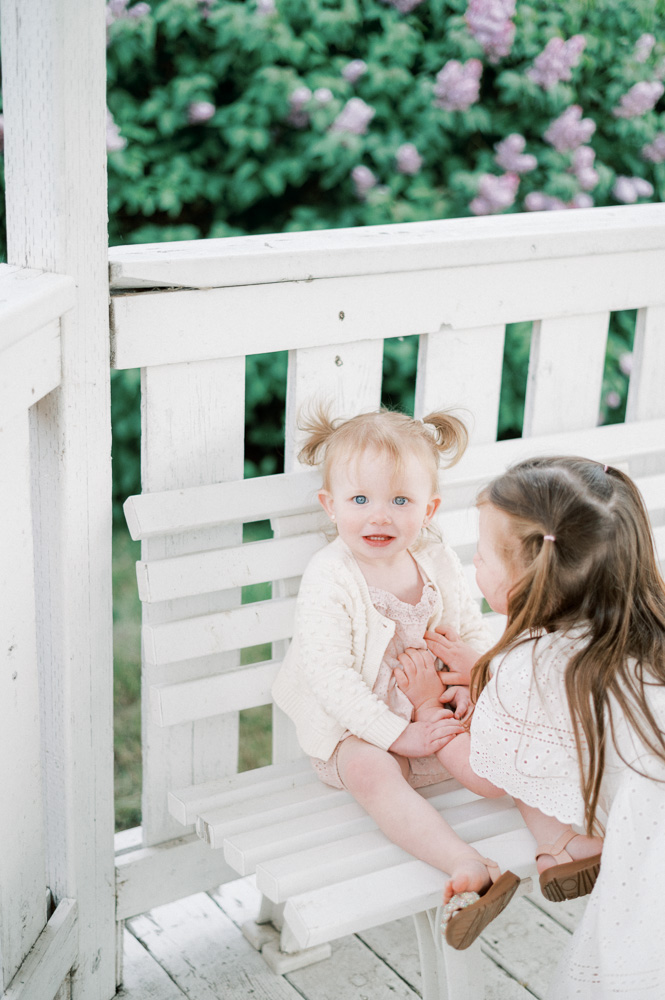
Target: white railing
(188,314)
(31,304)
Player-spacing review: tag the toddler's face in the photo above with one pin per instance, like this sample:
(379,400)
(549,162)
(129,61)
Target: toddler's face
(379,512)
(493,574)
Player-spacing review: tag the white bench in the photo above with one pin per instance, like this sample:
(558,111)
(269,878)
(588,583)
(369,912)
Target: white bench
(322,866)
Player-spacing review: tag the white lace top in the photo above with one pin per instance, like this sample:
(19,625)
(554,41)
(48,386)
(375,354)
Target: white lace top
(522,739)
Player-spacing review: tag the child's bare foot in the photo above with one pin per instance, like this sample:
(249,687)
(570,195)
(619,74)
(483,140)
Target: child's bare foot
(420,681)
(469,874)
(578,847)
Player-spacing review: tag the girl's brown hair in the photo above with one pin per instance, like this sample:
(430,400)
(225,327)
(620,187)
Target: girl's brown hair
(599,572)
(327,440)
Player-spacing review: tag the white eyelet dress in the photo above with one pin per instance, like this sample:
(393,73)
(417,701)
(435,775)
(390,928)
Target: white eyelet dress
(522,740)
(410,625)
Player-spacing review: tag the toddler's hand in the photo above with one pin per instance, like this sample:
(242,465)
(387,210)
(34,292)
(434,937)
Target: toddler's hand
(458,656)
(421,739)
(419,679)
(460,697)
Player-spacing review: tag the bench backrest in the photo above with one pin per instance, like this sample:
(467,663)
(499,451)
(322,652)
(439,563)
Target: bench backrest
(330,299)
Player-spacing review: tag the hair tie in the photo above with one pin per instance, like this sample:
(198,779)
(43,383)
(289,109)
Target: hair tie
(549,538)
(605,468)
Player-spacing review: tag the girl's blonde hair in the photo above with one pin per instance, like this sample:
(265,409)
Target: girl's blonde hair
(395,434)
(582,553)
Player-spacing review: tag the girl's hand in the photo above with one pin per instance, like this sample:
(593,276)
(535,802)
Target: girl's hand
(422,739)
(459,657)
(460,697)
(419,679)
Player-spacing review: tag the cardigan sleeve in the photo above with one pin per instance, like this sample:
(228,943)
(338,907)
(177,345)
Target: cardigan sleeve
(326,627)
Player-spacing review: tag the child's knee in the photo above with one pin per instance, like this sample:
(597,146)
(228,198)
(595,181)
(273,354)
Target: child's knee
(364,766)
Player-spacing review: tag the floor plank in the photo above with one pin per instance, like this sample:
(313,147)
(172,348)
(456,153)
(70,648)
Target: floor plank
(205,954)
(353,972)
(144,978)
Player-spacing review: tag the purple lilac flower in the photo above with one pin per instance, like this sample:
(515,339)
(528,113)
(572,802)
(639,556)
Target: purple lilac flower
(354,117)
(323,95)
(511,156)
(354,70)
(403,6)
(613,400)
(538,201)
(114,141)
(655,151)
(117,10)
(581,200)
(408,159)
(363,180)
(458,84)
(626,362)
(494,193)
(629,189)
(266,7)
(489,21)
(570,130)
(583,168)
(641,98)
(556,61)
(297,115)
(643,47)
(199,112)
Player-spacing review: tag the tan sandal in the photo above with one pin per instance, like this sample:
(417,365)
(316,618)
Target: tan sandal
(568,879)
(467,914)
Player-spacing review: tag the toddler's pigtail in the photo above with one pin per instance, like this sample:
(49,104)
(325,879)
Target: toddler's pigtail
(318,427)
(450,435)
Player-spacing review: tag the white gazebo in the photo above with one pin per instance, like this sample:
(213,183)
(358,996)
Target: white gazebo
(188,315)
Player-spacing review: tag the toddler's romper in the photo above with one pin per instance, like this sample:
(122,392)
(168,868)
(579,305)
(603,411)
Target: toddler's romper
(410,625)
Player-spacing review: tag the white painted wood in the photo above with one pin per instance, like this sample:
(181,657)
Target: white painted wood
(23,856)
(461,370)
(565,373)
(30,299)
(646,398)
(346,377)
(54,106)
(250,624)
(193,429)
(219,569)
(171,511)
(187,803)
(29,369)
(350,906)
(144,978)
(414,246)
(176,326)
(179,936)
(152,876)
(231,691)
(53,955)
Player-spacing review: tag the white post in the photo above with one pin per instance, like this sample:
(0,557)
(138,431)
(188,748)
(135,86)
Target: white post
(54,80)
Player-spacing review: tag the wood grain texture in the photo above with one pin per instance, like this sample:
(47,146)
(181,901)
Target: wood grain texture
(53,59)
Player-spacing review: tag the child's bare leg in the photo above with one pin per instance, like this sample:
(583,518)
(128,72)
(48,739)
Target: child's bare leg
(547,830)
(455,758)
(377,780)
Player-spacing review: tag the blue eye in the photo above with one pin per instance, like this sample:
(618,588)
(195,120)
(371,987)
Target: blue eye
(400,501)
(359,499)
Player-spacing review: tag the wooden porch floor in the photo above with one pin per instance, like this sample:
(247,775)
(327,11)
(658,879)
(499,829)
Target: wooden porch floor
(194,948)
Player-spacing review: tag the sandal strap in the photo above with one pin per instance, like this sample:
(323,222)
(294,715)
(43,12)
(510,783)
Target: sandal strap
(558,847)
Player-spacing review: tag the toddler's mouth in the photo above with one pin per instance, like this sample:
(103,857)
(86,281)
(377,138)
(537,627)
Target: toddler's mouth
(378,539)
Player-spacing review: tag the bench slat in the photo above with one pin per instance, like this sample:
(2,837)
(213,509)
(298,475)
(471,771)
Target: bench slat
(190,638)
(231,691)
(350,906)
(350,855)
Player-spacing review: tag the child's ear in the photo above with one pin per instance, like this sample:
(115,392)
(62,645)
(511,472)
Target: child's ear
(432,508)
(326,501)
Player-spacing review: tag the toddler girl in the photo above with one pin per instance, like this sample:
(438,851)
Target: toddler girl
(570,716)
(363,599)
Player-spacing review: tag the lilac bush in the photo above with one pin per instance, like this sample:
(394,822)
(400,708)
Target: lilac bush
(457,85)
(556,61)
(490,24)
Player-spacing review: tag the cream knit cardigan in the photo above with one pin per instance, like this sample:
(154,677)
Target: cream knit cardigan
(325,682)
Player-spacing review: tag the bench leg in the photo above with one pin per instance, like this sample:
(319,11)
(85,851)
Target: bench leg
(275,942)
(447,974)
